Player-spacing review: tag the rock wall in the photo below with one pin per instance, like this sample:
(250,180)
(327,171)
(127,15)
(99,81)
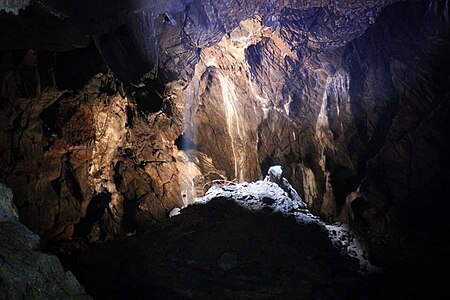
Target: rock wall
(84,161)
(27,273)
(359,125)
(350,98)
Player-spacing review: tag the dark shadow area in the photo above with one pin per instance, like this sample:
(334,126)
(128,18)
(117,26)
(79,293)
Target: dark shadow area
(50,119)
(344,180)
(94,212)
(46,64)
(266,164)
(56,185)
(127,54)
(72,181)
(184,143)
(130,208)
(148,95)
(219,251)
(130,117)
(74,68)
(223,251)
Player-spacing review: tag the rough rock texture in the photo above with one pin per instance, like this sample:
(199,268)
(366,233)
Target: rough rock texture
(13,6)
(242,241)
(137,36)
(82,156)
(347,119)
(220,250)
(350,97)
(275,194)
(25,272)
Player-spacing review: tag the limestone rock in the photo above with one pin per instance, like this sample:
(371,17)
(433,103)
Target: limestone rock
(13,6)
(275,174)
(8,211)
(349,97)
(66,163)
(27,273)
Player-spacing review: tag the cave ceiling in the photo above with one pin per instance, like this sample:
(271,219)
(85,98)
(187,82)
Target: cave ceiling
(169,35)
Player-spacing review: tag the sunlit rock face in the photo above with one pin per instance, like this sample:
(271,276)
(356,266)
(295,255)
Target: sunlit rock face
(159,99)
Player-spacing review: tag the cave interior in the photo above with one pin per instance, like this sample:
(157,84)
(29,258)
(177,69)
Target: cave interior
(200,149)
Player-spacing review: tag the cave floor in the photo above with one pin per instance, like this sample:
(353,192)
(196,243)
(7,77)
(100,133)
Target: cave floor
(220,250)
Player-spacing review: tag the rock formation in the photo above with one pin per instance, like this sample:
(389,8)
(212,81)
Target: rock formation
(93,162)
(246,240)
(25,272)
(113,114)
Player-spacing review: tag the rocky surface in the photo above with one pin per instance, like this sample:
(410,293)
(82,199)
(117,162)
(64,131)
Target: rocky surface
(248,240)
(25,272)
(346,120)
(275,194)
(83,157)
(221,249)
(350,97)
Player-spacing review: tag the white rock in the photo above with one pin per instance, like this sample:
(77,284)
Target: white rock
(174,212)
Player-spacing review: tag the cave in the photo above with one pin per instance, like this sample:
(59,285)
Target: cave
(197,149)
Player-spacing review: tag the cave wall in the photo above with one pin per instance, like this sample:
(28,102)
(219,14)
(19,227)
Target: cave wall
(350,98)
(359,125)
(406,161)
(80,154)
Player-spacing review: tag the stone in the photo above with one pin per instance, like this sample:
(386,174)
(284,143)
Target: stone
(221,250)
(348,97)
(174,212)
(275,174)
(14,6)
(8,211)
(26,272)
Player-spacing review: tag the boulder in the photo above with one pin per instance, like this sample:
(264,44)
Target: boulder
(26,272)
